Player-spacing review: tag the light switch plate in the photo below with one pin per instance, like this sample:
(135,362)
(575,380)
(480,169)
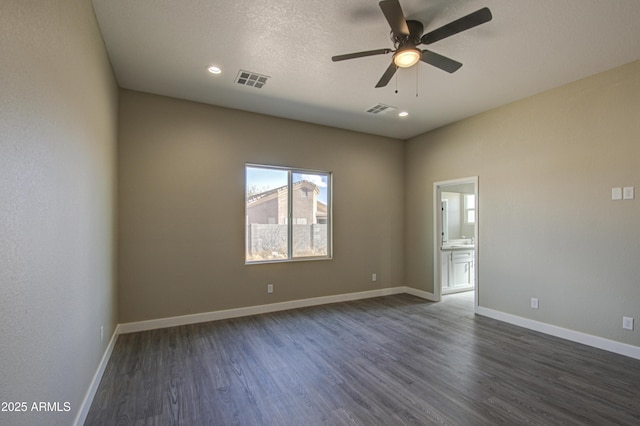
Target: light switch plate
(628,193)
(616,193)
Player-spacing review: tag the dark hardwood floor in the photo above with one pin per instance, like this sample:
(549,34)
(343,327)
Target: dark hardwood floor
(385,361)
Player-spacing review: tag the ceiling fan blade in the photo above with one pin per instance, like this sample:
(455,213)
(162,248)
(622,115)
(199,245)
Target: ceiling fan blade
(471,20)
(395,17)
(439,61)
(360,54)
(386,77)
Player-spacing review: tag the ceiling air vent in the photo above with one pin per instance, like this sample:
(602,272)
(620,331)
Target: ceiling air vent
(248,78)
(380,109)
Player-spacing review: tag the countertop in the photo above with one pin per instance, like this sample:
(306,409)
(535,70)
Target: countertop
(458,247)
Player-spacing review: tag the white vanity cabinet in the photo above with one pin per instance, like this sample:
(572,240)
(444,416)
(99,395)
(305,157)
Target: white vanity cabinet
(457,270)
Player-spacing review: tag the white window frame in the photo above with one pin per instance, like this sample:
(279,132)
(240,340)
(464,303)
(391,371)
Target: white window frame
(289,218)
(468,209)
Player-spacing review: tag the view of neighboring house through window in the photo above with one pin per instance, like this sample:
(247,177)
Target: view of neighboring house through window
(287,214)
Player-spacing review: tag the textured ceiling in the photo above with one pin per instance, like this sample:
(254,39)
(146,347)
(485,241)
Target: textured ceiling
(164,46)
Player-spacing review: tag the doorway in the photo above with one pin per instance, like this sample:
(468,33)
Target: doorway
(456,241)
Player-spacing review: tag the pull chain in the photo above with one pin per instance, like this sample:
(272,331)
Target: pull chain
(417,80)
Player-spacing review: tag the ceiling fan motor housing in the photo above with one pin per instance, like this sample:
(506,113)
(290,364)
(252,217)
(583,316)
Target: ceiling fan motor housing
(412,39)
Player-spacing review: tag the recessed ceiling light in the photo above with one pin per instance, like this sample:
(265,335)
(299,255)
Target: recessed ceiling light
(403,114)
(213,69)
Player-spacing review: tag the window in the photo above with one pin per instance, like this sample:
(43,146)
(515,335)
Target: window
(287,214)
(470,208)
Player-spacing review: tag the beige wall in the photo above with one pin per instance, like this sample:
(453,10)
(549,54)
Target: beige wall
(58,102)
(181,208)
(547,225)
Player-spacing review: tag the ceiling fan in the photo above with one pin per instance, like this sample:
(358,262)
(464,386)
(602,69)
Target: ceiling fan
(407,35)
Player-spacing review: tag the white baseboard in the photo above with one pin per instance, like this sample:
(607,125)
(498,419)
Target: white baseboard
(420,293)
(95,381)
(132,327)
(564,333)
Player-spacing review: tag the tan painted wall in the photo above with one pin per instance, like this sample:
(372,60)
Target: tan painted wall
(181,208)
(58,102)
(548,227)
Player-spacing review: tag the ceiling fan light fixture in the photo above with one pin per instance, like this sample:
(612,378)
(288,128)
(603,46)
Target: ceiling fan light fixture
(407,57)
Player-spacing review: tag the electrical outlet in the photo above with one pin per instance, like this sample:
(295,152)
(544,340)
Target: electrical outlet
(628,193)
(627,323)
(374,277)
(269,288)
(534,303)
